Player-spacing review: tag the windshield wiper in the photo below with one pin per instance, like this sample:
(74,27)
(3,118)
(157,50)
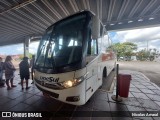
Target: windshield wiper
(39,53)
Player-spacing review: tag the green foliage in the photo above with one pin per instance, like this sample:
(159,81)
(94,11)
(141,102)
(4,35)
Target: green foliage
(124,49)
(147,55)
(142,55)
(30,55)
(21,56)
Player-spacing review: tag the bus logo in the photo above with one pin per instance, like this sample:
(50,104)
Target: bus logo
(49,79)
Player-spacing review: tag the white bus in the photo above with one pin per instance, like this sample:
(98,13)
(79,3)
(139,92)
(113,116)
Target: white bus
(73,57)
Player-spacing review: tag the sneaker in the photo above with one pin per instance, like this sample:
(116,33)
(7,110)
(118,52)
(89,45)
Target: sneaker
(27,88)
(8,88)
(13,86)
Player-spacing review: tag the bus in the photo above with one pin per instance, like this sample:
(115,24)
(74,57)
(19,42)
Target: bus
(73,58)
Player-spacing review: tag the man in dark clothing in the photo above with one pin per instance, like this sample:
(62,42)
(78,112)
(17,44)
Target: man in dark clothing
(24,71)
(2,82)
(1,69)
(32,66)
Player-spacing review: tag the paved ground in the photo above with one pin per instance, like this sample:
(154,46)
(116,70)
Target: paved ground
(143,96)
(150,69)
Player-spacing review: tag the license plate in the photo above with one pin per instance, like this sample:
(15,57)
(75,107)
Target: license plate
(46,95)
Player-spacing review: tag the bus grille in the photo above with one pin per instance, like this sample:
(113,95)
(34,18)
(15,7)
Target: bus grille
(55,95)
(54,86)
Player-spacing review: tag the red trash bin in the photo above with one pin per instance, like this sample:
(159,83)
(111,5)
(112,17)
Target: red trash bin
(123,84)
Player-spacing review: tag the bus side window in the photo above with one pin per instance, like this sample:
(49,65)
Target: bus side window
(100,39)
(92,51)
(92,47)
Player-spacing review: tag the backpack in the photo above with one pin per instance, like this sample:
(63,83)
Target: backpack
(2,83)
(2,67)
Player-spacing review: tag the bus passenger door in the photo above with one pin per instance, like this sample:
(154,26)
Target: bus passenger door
(92,78)
(92,69)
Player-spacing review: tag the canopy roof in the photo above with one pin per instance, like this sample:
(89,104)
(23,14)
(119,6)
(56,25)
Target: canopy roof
(22,18)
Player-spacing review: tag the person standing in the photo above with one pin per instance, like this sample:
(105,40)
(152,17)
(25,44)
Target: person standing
(24,71)
(2,82)
(9,72)
(1,69)
(32,66)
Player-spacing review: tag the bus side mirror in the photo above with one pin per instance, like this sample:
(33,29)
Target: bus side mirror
(95,28)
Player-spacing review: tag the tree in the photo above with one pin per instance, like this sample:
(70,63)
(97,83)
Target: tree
(21,56)
(142,55)
(124,49)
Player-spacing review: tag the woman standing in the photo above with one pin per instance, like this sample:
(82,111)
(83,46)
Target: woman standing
(9,72)
(2,82)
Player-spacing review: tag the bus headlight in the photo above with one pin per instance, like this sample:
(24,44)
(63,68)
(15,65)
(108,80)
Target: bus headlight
(72,83)
(68,84)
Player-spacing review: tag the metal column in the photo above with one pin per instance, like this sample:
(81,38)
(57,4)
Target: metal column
(26,46)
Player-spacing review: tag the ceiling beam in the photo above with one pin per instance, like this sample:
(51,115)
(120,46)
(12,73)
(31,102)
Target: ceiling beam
(123,9)
(17,6)
(47,15)
(111,8)
(51,8)
(74,5)
(156,11)
(9,21)
(135,8)
(62,6)
(149,5)
(33,20)
(36,15)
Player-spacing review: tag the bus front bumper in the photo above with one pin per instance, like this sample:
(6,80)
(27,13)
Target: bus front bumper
(74,95)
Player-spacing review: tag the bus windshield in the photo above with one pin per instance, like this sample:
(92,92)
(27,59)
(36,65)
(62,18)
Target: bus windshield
(61,45)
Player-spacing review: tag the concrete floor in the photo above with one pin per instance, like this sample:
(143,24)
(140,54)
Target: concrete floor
(150,69)
(144,96)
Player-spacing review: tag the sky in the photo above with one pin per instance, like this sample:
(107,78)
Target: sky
(18,49)
(137,36)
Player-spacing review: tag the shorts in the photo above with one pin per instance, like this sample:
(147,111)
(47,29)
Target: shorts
(8,77)
(24,77)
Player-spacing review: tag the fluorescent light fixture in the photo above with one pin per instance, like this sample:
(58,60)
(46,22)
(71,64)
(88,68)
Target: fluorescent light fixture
(130,21)
(140,20)
(120,23)
(111,24)
(151,18)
